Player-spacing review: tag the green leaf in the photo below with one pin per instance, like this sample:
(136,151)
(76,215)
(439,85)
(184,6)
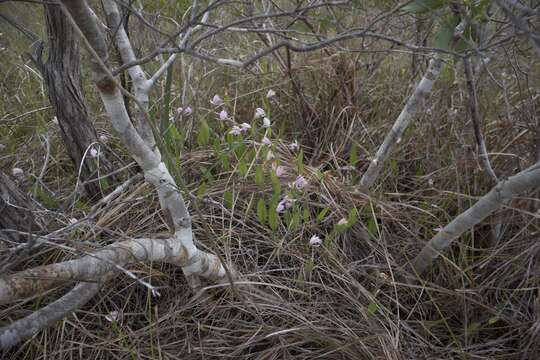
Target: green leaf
(47,200)
(444,36)
(228,199)
(276,185)
(448,73)
(225,162)
(372,308)
(261,211)
(295,219)
(240,149)
(309,266)
(372,226)
(273,218)
(204,134)
(300,161)
(174,134)
(201,190)
(104,183)
(259,175)
(393,166)
(82,205)
(207,174)
(353,155)
(352,217)
(306,215)
(423,6)
(242,168)
(287,216)
(321,215)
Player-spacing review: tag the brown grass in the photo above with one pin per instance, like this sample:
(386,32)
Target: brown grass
(344,300)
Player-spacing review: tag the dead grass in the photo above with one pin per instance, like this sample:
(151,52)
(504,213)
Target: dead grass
(346,299)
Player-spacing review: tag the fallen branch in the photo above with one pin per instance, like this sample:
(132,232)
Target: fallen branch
(27,327)
(94,266)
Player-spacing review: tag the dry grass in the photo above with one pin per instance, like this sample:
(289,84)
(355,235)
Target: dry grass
(344,300)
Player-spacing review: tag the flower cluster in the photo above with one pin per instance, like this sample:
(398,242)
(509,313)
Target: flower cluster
(237,130)
(286,203)
(223,115)
(184,111)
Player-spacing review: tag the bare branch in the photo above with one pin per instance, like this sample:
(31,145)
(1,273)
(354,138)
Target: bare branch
(520,24)
(93,266)
(502,192)
(411,107)
(140,82)
(475,119)
(394,135)
(155,171)
(27,327)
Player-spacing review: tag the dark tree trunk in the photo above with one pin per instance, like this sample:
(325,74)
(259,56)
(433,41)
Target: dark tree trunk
(16,211)
(63,79)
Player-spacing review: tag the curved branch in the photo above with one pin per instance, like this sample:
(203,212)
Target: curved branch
(111,258)
(155,171)
(27,327)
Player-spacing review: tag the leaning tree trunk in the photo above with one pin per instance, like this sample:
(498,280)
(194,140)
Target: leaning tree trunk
(16,211)
(63,79)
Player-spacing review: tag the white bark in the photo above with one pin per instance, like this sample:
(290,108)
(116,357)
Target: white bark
(141,84)
(394,136)
(155,171)
(502,192)
(27,327)
(178,250)
(411,107)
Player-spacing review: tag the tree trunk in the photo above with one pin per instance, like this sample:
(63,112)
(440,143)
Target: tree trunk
(16,211)
(63,80)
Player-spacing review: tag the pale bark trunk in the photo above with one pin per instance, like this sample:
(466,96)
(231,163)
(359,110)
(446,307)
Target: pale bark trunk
(497,197)
(394,136)
(411,107)
(150,161)
(141,85)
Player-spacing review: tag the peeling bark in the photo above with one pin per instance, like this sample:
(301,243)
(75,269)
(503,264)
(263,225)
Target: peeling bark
(94,266)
